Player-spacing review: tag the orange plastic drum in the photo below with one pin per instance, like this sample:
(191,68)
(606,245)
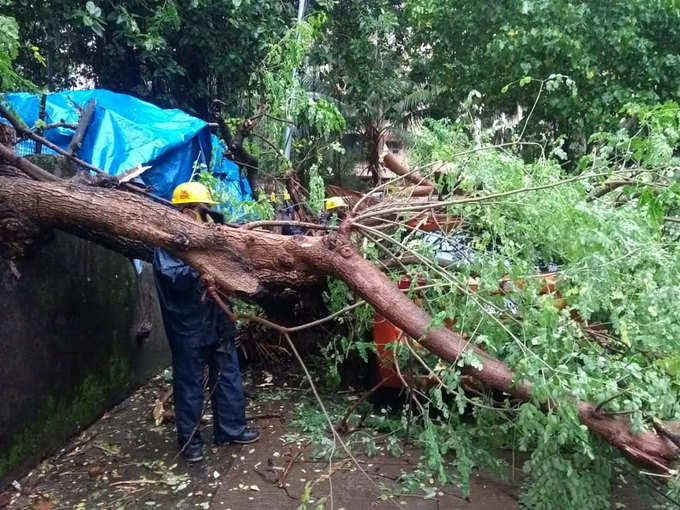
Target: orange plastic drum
(384,333)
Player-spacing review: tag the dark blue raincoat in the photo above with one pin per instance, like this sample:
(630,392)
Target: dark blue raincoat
(200,335)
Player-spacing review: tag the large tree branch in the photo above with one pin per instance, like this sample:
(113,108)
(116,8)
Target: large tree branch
(33,171)
(246,262)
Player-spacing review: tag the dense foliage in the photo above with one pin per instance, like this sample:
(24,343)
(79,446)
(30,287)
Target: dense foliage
(616,52)
(175,53)
(584,185)
(363,66)
(608,334)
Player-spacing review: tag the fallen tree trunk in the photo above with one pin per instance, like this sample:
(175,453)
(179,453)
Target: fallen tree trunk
(247,263)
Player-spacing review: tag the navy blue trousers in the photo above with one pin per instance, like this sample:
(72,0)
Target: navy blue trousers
(228,402)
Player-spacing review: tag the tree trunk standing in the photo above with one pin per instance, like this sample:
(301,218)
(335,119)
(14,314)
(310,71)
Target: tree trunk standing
(247,262)
(374,146)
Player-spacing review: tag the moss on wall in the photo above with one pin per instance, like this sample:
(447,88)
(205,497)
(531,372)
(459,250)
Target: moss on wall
(69,345)
(59,414)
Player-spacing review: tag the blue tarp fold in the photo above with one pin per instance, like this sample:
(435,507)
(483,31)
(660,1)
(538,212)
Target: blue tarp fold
(126,131)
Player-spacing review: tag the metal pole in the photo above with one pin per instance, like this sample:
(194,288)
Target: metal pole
(302,7)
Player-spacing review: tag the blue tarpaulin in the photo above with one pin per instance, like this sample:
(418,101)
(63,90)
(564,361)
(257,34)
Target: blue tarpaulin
(230,180)
(126,131)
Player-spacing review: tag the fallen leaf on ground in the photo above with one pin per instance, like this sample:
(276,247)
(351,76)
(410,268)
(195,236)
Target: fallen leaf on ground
(157,412)
(95,471)
(107,448)
(44,504)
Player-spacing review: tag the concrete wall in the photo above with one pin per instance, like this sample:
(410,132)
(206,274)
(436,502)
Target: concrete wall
(78,331)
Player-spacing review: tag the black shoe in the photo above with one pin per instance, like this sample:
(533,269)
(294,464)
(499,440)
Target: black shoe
(247,436)
(193,453)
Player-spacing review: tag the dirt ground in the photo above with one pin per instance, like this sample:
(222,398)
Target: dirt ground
(125,461)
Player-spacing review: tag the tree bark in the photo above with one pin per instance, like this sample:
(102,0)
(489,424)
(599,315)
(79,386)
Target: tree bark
(399,168)
(246,263)
(418,191)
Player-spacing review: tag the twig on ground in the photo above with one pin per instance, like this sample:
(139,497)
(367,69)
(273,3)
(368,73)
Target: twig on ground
(263,416)
(341,427)
(71,449)
(193,432)
(141,481)
(286,471)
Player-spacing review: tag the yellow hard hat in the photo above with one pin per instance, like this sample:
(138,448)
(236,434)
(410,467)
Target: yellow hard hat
(335,202)
(192,193)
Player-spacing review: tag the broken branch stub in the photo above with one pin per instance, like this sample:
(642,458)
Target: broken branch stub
(85,118)
(392,163)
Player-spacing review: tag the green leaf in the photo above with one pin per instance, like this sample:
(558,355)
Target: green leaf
(655,209)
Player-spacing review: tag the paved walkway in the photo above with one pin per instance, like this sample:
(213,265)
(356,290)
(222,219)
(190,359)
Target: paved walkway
(124,461)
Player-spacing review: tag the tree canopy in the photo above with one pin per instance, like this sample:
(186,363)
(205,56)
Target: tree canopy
(612,52)
(175,53)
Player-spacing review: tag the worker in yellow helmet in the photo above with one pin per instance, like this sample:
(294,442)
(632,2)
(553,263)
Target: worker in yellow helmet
(337,203)
(200,335)
(286,212)
(194,199)
(333,206)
